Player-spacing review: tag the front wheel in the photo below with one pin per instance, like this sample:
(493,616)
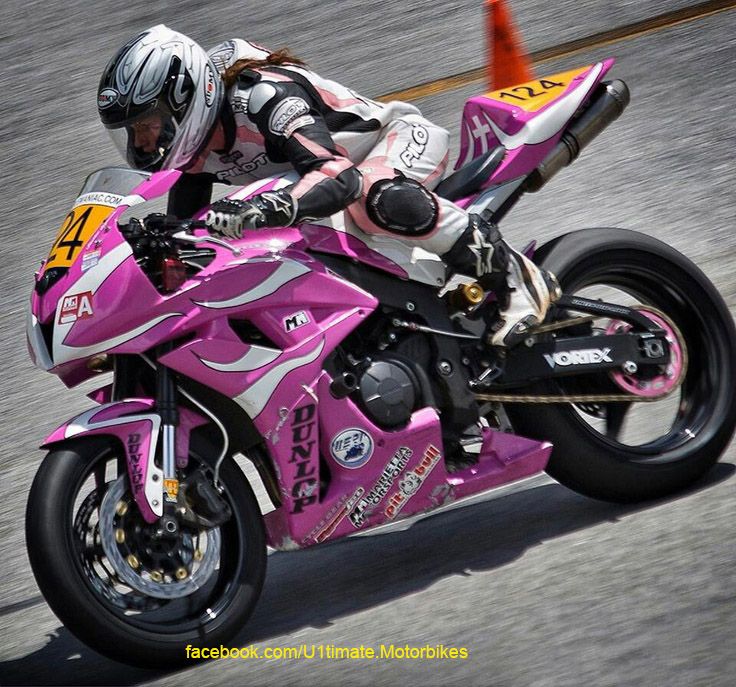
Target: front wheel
(126,588)
(642,448)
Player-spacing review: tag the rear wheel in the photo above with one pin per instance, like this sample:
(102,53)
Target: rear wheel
(628,451)
(126,588)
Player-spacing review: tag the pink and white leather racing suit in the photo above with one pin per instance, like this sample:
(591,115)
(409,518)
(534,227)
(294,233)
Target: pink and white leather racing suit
(343,145)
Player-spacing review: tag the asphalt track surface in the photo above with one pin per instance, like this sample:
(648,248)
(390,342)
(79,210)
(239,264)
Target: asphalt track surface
(542,586)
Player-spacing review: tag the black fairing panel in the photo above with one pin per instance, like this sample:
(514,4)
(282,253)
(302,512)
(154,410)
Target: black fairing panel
(472,176)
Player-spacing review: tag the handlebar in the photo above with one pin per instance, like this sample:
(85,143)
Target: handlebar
(156,231)
(158,224)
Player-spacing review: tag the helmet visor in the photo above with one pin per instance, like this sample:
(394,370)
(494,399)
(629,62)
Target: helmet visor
(146,140)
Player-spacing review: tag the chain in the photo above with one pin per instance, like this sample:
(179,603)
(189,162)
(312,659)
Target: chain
(572,398)
(561,324)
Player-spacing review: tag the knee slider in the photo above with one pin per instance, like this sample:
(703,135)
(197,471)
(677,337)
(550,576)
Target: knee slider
(402,206)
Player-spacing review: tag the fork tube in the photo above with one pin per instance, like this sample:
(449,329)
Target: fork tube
(166,406)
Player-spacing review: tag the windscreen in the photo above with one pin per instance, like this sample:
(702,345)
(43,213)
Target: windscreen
(117,180)
(101,193)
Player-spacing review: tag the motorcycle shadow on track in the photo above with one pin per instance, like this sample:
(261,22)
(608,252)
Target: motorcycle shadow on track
(366,572)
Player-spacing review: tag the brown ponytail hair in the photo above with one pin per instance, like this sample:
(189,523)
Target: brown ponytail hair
(277,58)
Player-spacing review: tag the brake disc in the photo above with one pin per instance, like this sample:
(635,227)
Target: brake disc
(130,568)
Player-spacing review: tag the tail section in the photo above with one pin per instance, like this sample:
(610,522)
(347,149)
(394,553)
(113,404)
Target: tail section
(527,119)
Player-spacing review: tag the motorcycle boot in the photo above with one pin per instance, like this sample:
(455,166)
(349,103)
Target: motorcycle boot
(523,291)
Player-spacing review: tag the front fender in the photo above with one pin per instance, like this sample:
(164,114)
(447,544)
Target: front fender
(134,423)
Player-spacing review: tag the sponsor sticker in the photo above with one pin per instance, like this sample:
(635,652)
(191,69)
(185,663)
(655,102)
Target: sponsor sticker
(135,461)
(76,307)
(286,113)
(587,356)
(296,320)
(107,97)
(352,448)
(99,198)
(210,87)
(304,491)
(393,469)
(171,487)
(89,260)
(334,517)
(412,481)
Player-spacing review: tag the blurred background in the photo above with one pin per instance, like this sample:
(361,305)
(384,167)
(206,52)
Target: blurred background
(542,586)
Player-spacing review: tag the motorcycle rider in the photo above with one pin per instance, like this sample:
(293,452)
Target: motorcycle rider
(242,113)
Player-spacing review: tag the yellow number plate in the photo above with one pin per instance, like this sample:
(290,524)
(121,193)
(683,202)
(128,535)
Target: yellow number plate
(78,226)
(534,95)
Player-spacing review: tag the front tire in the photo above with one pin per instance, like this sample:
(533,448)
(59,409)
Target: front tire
(595,463)
(72,571)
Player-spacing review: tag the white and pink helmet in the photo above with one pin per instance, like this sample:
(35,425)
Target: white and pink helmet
(165,73)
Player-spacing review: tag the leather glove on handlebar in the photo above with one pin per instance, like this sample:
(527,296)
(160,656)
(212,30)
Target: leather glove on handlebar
(270,209)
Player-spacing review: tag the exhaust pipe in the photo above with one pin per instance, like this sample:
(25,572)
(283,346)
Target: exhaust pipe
(609,101)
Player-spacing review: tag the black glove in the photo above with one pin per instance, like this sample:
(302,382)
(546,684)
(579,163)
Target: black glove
(269,209)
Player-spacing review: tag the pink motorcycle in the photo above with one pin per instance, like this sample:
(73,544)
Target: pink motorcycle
(356,381)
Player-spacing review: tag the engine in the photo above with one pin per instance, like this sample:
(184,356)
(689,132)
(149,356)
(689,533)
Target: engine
(388,385)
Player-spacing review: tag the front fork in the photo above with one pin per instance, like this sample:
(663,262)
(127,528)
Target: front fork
(125,385)
(204,503)
(167,408)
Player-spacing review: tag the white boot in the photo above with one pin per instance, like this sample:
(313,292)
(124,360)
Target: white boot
(524,292)
(524,302)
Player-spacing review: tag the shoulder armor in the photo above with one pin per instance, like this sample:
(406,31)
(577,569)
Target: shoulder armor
(260,94)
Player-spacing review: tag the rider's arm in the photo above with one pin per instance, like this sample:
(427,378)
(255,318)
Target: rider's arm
(189,194)
(295,132)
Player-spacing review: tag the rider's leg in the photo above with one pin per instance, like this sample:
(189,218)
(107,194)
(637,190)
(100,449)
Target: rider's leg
(393,203)
(524,292)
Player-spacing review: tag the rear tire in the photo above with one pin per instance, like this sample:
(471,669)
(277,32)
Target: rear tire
(654,273)
(155,637)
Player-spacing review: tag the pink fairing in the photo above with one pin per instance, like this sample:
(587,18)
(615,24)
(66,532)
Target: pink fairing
(135,426)
(527,136)
(400,474)
(329,240)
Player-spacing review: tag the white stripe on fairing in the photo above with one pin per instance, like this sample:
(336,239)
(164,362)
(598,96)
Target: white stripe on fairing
(484,139)
(492,198)
(85,421)
(133,199)
(256,357)
(545,125)
(64,353)
(91,280)
(287,270)
(36,341)
(254,399)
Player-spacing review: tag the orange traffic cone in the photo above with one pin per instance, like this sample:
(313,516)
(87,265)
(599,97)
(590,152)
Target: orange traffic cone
(509,63)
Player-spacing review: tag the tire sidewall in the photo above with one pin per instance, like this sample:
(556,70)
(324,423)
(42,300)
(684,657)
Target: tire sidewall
(61,579)
(596,468)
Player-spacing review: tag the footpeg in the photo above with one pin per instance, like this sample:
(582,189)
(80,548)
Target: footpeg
(486,378)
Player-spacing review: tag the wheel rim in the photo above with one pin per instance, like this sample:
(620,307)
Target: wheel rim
(696,406)
(204,605)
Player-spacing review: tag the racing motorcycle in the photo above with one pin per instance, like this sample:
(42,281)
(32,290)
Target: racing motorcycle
(348,377)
